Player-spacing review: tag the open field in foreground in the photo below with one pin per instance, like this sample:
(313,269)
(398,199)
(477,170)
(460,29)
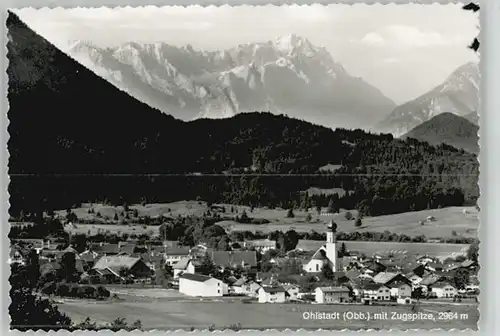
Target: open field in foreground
(446,220)
(160,314)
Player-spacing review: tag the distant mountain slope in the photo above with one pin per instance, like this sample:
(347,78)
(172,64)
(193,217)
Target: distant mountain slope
(450,129)
(459,94)
(473,117)
(289,75)
(75,137)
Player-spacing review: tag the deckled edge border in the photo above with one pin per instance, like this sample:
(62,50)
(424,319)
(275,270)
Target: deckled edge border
(206,3)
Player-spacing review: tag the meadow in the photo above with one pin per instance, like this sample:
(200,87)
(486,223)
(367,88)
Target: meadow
(447,222)
(160,314)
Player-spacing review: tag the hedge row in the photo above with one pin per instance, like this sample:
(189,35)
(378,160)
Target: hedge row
(76,291)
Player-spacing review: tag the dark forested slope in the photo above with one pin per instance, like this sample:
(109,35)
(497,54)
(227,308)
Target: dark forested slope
(448,128)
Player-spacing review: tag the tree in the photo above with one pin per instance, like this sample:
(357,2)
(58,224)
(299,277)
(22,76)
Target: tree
(327,272)
(208,267)
(115,217)
(68,270)
(348,215)
(308,217)
(461,278)
(358,222)
(343,250)
(290,213)
(473,252)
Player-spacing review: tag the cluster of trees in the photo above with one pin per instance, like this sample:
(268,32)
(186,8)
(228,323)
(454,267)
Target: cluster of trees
(75,290)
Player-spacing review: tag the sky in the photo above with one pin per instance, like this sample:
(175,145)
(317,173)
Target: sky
(404,50)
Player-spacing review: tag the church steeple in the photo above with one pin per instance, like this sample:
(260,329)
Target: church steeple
(331,244)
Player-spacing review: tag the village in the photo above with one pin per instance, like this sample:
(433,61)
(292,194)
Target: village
(255,270)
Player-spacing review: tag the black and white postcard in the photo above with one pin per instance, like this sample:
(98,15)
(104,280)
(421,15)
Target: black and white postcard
(247,167)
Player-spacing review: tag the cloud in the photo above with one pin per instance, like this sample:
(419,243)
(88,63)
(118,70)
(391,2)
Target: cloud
(408,36)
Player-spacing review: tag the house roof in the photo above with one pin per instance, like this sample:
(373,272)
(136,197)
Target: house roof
(372,286)
(176,251)
(195,277)
(441,285)
(233,258)
(181,264)
(240,282)
(334,289)
(352,273)
(384,277)
(397,284)
(275,289)
(116,262)
(429,280)
(127,248)
(319,255)
(309,245)
(105,248)
(261,243)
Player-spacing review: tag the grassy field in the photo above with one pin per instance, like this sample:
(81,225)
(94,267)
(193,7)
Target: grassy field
(448,221)
(441,251)
(161,314)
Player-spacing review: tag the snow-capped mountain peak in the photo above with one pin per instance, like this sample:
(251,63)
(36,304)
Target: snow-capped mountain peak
(458,94)
(289,75)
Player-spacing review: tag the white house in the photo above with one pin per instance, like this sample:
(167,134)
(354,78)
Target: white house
(326,254)
(246,287)
(175,254)
(292,291)
(444,290)
(400,290)
(200,285)
(375,291)
(272,295)
(260,245)
(331,294)
(183,266)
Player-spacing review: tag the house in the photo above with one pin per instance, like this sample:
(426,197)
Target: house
(260,245)
(331,294)
(374,291)
(444,290)
(135,267)
(435,267)
(292,291)
(174,254)
(327,254)
(273,294)
(304,245)
(104,249)
(415,279)
(185,265)
(246,287)
(233,259)
(15,256)
(387,278)
(89,257)
(400,289)
(200,285)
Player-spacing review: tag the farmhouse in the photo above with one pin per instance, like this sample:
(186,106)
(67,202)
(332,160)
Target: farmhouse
(292,291)
(327,254)
(387,278)
(246,287)
(260,245)
(272,295)
(174,254)
(185,265)
(200,285)
(374,291)
(124,264)
(331,294)
(400,289)
(444,290)
(245,259)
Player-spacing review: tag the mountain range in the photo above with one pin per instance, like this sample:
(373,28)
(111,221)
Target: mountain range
(450,129)
(75,137)
(458,94)
(288,76)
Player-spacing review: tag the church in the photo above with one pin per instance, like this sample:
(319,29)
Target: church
(326,254)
